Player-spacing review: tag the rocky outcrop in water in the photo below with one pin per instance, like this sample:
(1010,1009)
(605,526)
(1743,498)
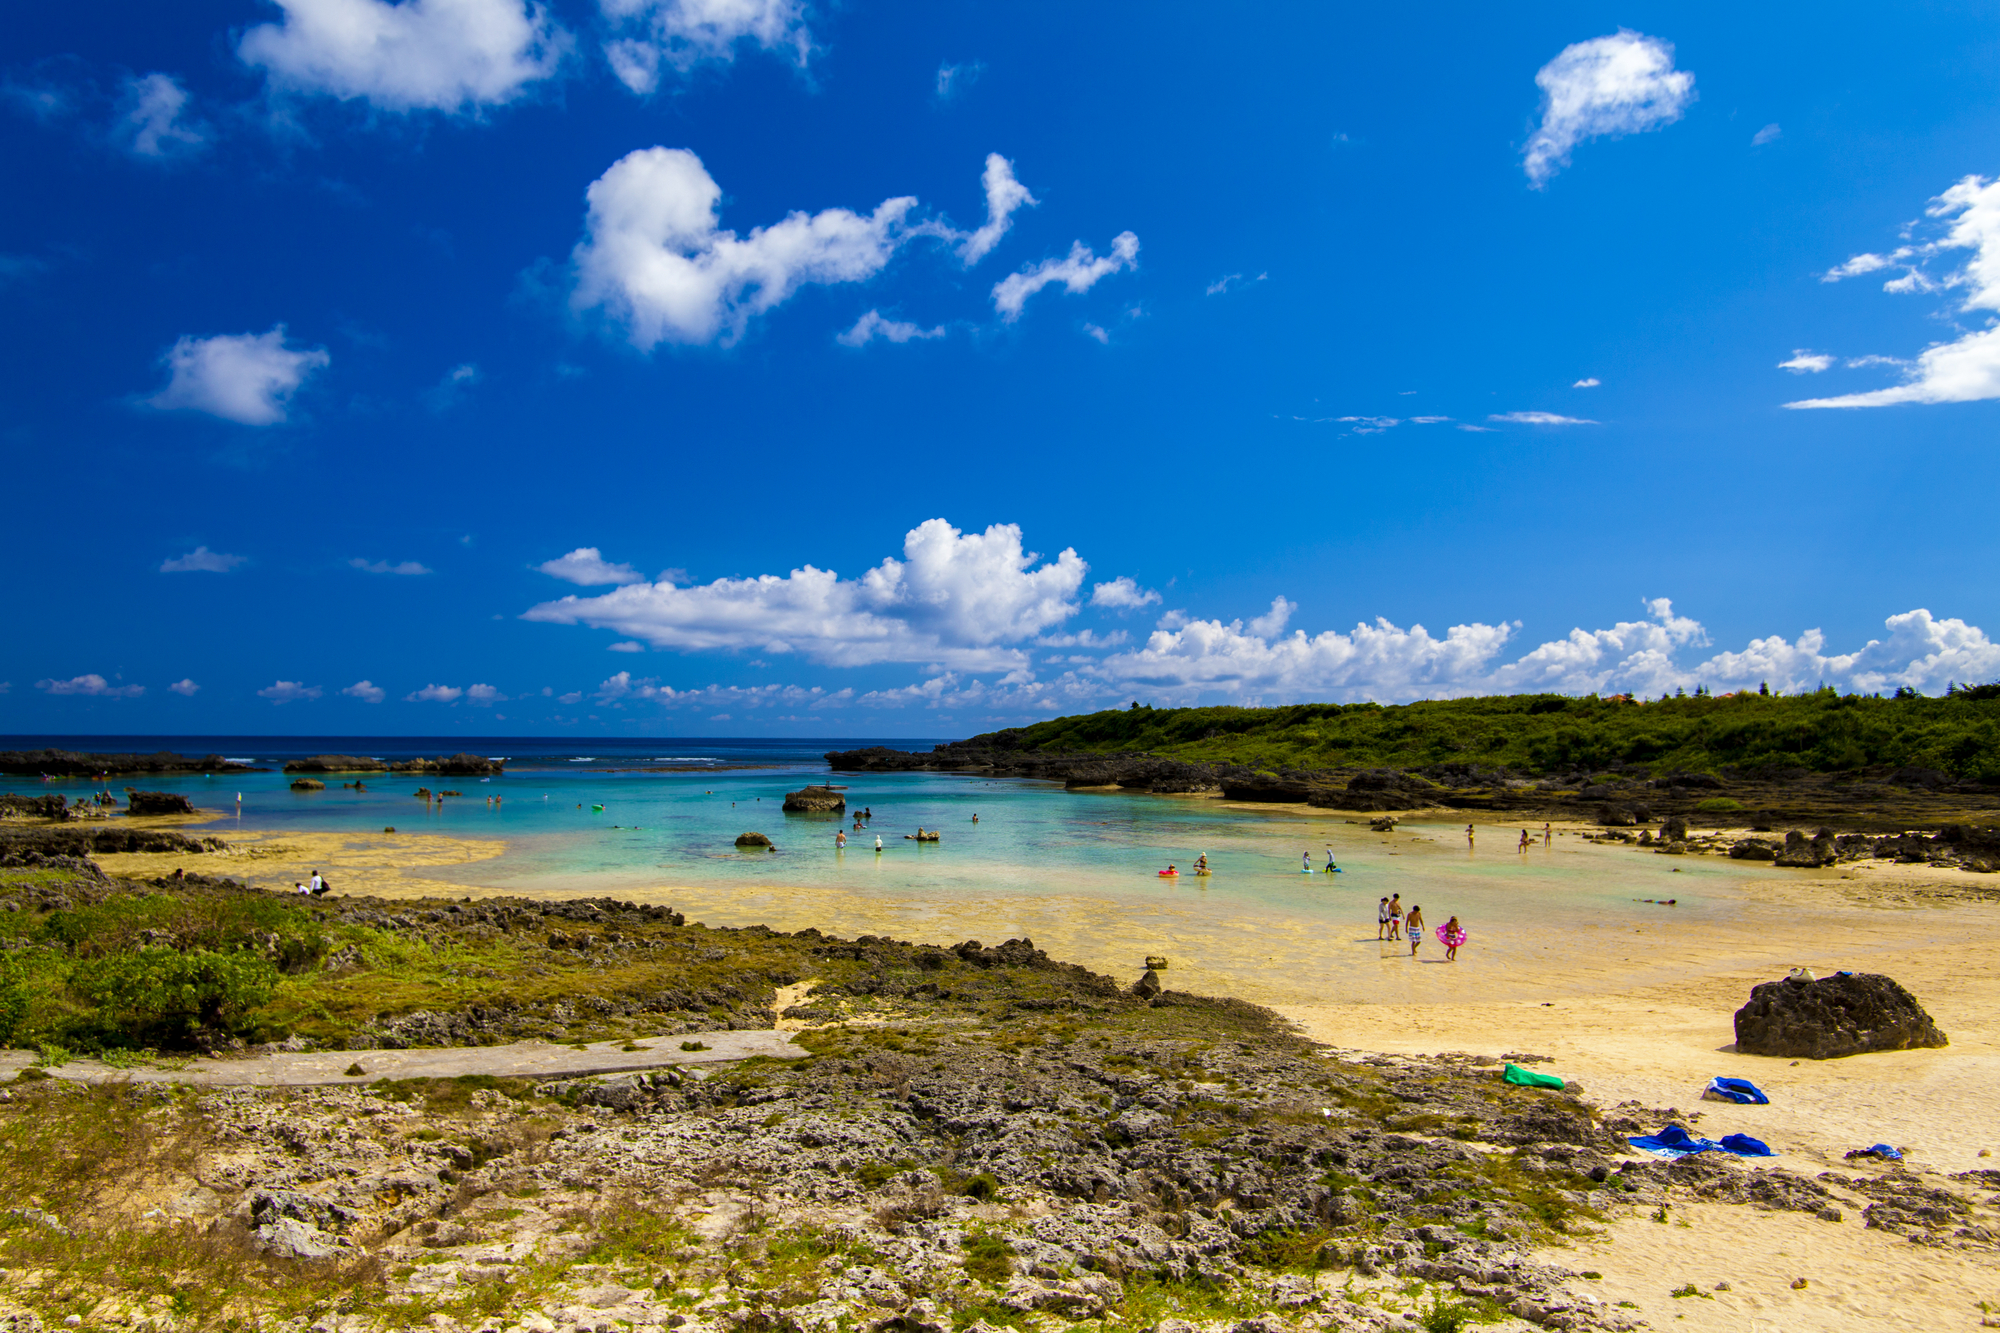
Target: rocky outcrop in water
(157,803)
(451,766)
(815,801)
(1847,1014)
(77,764)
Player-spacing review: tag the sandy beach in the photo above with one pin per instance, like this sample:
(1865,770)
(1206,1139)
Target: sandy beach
(1639,1014)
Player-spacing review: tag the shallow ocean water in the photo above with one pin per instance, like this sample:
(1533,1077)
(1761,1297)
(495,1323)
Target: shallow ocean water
(1075,871)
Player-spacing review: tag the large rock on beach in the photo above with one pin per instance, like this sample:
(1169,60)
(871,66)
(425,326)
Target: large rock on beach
(157,803)
(52,806)
(1378,789)
(1848,1014)
(1809,853)
(752,840)
(815,801)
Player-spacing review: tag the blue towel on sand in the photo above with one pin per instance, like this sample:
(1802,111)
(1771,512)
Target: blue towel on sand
(1882,1150)
(1675,1142)
(1740,1090)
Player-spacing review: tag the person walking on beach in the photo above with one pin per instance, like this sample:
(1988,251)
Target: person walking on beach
(1382,920)
(1525,840)
(1453,935)
(1547,835)
(1396,916)
(1416,928)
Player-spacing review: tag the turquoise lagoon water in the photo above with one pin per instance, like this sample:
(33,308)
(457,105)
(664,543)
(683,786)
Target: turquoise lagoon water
(1076,871)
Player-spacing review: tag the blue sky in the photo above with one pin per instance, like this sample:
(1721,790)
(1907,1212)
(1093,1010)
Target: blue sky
(756,367)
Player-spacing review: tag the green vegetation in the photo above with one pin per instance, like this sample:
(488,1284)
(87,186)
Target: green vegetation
(1822,732)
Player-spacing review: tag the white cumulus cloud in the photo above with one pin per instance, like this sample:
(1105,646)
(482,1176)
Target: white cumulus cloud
(288,691)
(243,377)
(683,33)
(1806,362)
(406,567)
(367,691)
(1590,383)
(1622,84)
(1004,195)
(437,55)
(184,687)
(91,686)
(1122,594)
(955,598)
(150,123)
(875,325)
(586,567)
(434,694)
(1079,271)
(656,262)
(201,560)
(484,695)
(1966,369)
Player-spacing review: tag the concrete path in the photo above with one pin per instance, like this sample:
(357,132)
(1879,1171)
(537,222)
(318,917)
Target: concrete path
(521,1059)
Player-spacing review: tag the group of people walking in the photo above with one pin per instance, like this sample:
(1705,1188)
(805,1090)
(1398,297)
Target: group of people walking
(1391,923)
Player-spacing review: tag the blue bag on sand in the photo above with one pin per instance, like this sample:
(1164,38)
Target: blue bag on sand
(1739,1090)
(1745,1146)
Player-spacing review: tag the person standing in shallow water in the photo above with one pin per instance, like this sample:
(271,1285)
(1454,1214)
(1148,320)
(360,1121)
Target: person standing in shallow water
(1415,925)
(1468,835)
(1382,920)
(1395,916)
(1525,840)
(1452,932)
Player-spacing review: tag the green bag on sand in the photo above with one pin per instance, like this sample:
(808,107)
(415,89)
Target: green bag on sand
(1528,1078)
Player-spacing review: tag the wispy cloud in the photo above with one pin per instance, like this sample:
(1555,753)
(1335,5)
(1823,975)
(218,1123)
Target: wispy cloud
(953,80)
(1806,362)
(1591,383)
(1229,280)
(1769,134)
(434,694)
(1966,369)
(1540,419)
(288,692)
(201,560)
(1005,196)
(679,34)
(406,567)
(875,325)
(1079,271)
(184,687)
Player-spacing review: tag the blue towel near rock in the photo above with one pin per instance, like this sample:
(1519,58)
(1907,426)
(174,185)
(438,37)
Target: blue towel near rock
(1882,1150)
(1673,1142)
(1739,1090)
